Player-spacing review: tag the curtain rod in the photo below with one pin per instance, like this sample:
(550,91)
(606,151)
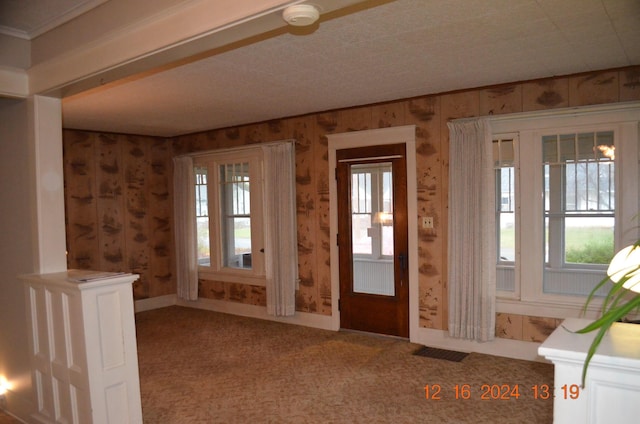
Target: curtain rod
(237,149)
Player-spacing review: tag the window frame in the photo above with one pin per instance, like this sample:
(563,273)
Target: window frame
(217,271)
(623,119)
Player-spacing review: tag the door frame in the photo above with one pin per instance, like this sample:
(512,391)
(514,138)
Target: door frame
(393,135)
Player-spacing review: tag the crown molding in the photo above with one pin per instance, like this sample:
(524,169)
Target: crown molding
(53,22)
(13,32)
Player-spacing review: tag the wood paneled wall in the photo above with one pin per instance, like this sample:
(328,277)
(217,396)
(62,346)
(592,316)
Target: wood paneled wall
(118,207)
(117,220)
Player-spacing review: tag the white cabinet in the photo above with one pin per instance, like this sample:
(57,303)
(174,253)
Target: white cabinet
(83,347)
(612,388)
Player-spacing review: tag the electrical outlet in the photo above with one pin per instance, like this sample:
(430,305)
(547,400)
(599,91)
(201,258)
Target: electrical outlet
(427,222)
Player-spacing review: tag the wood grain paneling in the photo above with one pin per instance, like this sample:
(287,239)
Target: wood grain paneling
(630,84)
(424,113)
(118,207)
(111,202)
(161,281)
(501,100)
(545,94)
(509,326)
(594,88)
(83,249)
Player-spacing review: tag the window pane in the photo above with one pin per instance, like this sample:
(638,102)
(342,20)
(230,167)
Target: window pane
(235,204)
(507,238)
(372,210)
(360,224)
(506,217)
(586,146)
(567,147)
(589,240)
(387,210)
(605,150)
(387,240)
(204,253)
(550,149)
(361,192)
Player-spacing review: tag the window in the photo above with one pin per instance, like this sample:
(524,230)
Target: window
(579,207)
(202,216)
(228,193)
(505,198)
(503,159)
(566,200)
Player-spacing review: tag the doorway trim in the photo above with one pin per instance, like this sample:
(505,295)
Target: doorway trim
(393,135)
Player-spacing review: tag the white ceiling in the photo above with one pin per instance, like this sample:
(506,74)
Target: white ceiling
(399,49)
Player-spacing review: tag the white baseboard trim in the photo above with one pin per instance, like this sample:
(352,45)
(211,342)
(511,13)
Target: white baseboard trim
(155,302)
(514,349)
(306,319)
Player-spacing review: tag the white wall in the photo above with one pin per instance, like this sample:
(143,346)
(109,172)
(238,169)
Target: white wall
(16,250)
(15,52)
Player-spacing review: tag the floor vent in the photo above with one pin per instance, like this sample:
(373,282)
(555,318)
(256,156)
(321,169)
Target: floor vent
(432,352)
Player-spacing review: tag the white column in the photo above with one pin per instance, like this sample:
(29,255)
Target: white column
(45,122)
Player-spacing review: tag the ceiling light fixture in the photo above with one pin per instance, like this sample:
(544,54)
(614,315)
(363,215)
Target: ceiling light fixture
(301,14)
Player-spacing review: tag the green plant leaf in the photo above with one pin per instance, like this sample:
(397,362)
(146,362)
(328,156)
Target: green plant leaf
(591,352)
(611,316)
(593,292)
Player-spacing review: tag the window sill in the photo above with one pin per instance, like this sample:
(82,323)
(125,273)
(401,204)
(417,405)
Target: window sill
(572,308)
(232,276)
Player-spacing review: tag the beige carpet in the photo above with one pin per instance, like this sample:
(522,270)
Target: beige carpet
(204,367)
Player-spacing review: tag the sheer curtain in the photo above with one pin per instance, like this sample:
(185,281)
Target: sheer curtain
(281,241)
(184,204)
(472,249)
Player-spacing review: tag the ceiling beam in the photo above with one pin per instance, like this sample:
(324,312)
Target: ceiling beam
(177,35)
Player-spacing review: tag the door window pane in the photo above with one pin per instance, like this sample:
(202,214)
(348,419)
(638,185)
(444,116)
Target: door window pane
(372,228)
(387,214)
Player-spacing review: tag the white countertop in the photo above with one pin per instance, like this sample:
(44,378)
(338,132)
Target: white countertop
(81,278)
(620,346)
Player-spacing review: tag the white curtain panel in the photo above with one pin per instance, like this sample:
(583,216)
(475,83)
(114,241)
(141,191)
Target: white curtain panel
(472,249)
(184,205)
(281,252)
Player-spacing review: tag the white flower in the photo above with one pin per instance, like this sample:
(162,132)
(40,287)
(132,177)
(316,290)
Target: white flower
(626,263)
